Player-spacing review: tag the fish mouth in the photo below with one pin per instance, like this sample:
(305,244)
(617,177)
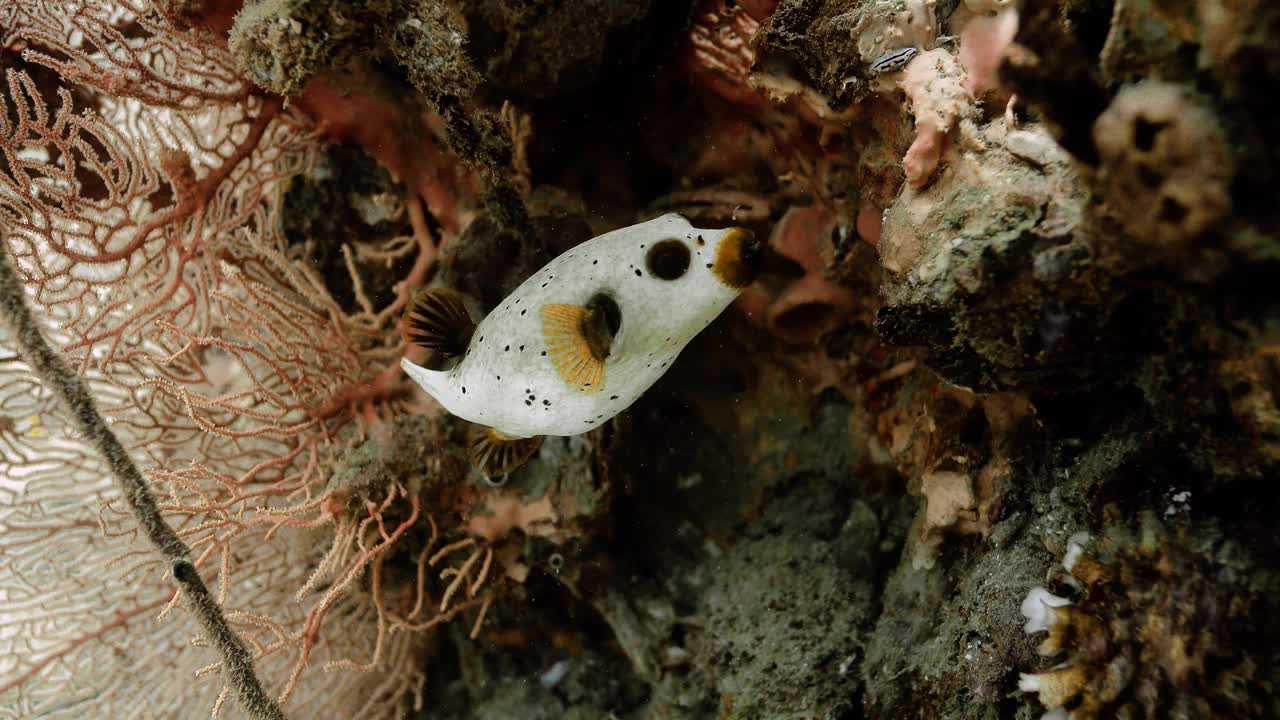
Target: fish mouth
(738,258)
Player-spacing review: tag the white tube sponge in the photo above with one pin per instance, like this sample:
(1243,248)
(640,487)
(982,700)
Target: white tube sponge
(1075,548)
(1037,608)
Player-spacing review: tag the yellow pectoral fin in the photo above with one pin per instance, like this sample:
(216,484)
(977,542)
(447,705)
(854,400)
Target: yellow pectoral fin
(496,453)
(573,345)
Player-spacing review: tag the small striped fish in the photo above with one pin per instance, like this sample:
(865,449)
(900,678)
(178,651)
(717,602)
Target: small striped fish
(892,61)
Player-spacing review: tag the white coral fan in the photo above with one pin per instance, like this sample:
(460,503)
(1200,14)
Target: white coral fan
(142,205)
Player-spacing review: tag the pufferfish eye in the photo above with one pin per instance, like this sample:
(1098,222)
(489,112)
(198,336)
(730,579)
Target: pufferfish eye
(669,259)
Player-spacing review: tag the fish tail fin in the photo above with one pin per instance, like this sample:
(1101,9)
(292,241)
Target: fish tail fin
(493,452)
(431,380)
(437,319)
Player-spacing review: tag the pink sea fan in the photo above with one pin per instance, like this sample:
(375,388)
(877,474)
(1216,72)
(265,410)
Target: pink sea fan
(141,196)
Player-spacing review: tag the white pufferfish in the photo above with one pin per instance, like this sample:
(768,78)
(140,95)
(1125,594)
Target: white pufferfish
(581,339)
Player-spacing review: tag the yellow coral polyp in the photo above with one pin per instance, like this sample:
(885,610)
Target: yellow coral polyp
(1069,623)
(1056,687)
(1149,634)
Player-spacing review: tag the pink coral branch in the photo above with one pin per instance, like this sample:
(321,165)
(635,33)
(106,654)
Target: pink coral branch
(315,619)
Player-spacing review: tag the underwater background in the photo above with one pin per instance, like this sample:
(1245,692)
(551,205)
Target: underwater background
(988,430)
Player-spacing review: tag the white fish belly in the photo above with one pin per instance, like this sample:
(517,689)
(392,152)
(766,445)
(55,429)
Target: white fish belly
(519,392)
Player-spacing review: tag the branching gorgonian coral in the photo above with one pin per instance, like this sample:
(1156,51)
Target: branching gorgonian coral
(141,192)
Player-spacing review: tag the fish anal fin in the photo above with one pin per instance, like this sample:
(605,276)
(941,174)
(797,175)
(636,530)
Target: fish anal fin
(493,452)
(569,334)
(437,319)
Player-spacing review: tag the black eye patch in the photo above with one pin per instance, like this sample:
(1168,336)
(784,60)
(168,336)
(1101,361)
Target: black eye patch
(668,259)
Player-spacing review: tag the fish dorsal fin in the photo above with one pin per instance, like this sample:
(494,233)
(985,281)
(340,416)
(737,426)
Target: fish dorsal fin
(437,319)
(495,453)
(579,339)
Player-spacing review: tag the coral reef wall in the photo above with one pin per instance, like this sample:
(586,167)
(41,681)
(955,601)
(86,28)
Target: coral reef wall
(992,436)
